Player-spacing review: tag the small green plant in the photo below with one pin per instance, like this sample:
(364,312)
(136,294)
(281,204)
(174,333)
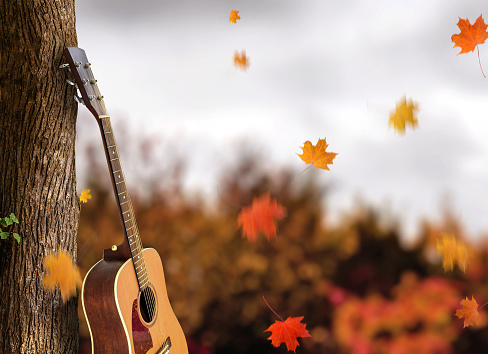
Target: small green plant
(8,221)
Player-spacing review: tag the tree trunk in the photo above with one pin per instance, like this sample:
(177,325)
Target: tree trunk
(37,173)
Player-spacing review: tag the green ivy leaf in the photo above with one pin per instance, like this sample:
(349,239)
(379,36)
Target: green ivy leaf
(3,235)
(13,218)
(16,236)
(8,221)
(3,222)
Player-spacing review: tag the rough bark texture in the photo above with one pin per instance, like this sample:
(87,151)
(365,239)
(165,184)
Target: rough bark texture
(37,173)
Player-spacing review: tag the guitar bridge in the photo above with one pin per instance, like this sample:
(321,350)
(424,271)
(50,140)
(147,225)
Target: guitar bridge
(165,347)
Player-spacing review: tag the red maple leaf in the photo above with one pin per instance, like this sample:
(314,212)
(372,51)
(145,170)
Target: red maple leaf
(287,331)
(261,216)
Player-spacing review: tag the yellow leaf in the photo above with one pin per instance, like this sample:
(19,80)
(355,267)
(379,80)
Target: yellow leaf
(234,16)
(241,61)
(469,312)
(317,155)
(63,272)
(85,195)
(452,251)
(405,113)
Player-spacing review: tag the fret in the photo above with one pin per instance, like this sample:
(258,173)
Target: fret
(125,205)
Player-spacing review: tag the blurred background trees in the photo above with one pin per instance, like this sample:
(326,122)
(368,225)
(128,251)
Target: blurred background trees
(360,288)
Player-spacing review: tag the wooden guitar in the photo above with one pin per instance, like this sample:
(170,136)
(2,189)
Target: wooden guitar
(124,295)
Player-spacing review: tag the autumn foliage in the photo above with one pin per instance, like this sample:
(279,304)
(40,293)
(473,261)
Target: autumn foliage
(357,288)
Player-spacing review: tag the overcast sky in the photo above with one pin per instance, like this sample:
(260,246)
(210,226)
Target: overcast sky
(318,69)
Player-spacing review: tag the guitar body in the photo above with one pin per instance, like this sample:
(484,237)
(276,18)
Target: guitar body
(115,313)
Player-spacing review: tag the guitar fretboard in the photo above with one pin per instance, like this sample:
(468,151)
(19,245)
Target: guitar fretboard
(123,199)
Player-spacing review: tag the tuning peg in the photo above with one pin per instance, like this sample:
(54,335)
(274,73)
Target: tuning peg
(71,82)
(63,66)
(79,99)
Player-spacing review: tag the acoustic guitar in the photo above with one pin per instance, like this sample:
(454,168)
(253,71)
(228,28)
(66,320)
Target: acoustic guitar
(124,295)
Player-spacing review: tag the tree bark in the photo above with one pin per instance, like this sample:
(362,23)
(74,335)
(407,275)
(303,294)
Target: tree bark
(37,173)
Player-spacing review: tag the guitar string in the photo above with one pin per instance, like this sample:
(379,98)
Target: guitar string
(150,300)
(134,230)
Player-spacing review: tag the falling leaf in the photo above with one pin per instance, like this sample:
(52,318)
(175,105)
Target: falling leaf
(287,332)
(317,155)
(404,113)
(234,16)
(241,61)
(469,312)
(261,216)
(452,251)
(471,35)
(85,195)
(61,271)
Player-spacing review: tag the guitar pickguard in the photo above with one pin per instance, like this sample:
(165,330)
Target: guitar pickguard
(141,337)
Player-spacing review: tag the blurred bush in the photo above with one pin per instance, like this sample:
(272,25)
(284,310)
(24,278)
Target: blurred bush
(358,288)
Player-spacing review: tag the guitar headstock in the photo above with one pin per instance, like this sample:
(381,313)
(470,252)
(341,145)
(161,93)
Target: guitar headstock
(86,83)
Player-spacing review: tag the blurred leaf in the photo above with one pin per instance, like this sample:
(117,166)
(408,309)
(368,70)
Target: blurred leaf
(241,61)
(234,16)
(261,216)
(62,272)
(85,195)
(452,251)
(405,113)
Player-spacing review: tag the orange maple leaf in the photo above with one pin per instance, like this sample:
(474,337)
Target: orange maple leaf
(241,61)
(286,331)
(470,36)
(452,251)
(469,311)
(261,216)
(234,16)
(404,113)
(62,271)
(316,155)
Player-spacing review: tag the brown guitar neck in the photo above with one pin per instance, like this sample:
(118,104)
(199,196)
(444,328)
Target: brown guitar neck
(132,240)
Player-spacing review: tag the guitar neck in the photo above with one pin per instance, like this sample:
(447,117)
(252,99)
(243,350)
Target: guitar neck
(123,200)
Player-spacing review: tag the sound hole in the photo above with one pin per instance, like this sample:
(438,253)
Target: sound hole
(147,304)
